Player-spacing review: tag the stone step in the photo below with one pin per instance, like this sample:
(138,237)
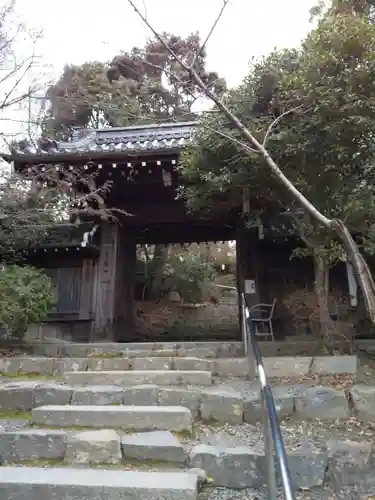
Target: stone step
(291,347)
(139,377)
(160,446)
(92,447)
(230,402)
(337,463)
(235,366)
(344,463)
(171,418)
(17,483)
(196,349)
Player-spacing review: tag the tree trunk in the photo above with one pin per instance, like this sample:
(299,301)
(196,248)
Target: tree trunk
(362,272)
(321,270)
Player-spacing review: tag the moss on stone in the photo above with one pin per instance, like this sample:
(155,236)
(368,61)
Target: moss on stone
(106,355)
(29,376)
(15,414)
(126,464)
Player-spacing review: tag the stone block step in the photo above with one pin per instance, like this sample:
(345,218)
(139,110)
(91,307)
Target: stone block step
(224,366)
(161,446)
(195,349)
(170,418)
(139,377)
(337,462)
(34,483)
(89,447)
(223,402)
(291,347)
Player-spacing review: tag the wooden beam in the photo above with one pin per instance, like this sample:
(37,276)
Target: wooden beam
(85,305)
(185,233)
(105,280)
(124,305)
(248,264)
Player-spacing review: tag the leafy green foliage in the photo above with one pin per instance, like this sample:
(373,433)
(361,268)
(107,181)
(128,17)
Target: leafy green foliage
(324,144)
(27,296)
(353,7)
(168,88)
(189,275)
(83,97)
(139,87)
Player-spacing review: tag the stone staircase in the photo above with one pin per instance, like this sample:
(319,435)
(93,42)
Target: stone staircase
(139,377)
(128,418)
(86,484)
(175,422)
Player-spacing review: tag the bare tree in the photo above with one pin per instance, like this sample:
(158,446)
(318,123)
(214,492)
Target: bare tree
(251,144)
(19,63)
(46,200)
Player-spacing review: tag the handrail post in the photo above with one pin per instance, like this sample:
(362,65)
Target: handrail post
(244,325)
(248,351)
(274,449)
(268,452)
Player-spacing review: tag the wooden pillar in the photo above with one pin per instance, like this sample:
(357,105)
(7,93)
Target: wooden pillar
(248,265)
(114,285)
(124,304)
(86,295)
(239,276)
(105,281)
(247,261)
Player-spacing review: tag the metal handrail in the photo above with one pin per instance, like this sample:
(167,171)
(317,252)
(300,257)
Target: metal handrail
(274,447)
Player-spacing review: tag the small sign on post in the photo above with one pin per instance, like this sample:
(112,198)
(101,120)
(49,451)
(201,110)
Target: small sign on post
(250,287)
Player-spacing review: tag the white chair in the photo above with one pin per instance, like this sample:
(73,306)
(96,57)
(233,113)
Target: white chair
(261,315)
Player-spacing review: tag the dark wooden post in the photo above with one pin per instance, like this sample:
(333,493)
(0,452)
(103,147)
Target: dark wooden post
(124,306)
(240,275)
(104,282)
(85,302)
(248,264)
(247,247)
(114,285)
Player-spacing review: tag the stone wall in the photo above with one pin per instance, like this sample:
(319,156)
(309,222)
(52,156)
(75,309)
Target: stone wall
(60,331)
(170,321)
(213,321)
(157,322)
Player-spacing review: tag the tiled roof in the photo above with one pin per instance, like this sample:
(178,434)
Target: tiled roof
(135,139)
(76,237)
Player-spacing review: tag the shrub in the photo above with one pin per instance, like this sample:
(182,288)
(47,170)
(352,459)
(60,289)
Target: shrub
(26,297)
(190,276)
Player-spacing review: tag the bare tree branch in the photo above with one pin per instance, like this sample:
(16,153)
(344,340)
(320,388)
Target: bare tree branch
(203,46)
(241,144)
(144,8)
(301,232)
(18,84)
(276,121)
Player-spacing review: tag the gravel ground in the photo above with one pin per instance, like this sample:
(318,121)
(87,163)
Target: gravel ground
(298,436)
(301,437)
(12,424)
(341,382)
(321,493)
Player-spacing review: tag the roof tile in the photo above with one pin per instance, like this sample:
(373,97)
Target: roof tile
(133,139)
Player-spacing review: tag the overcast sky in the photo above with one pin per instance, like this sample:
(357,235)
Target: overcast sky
(75,31)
